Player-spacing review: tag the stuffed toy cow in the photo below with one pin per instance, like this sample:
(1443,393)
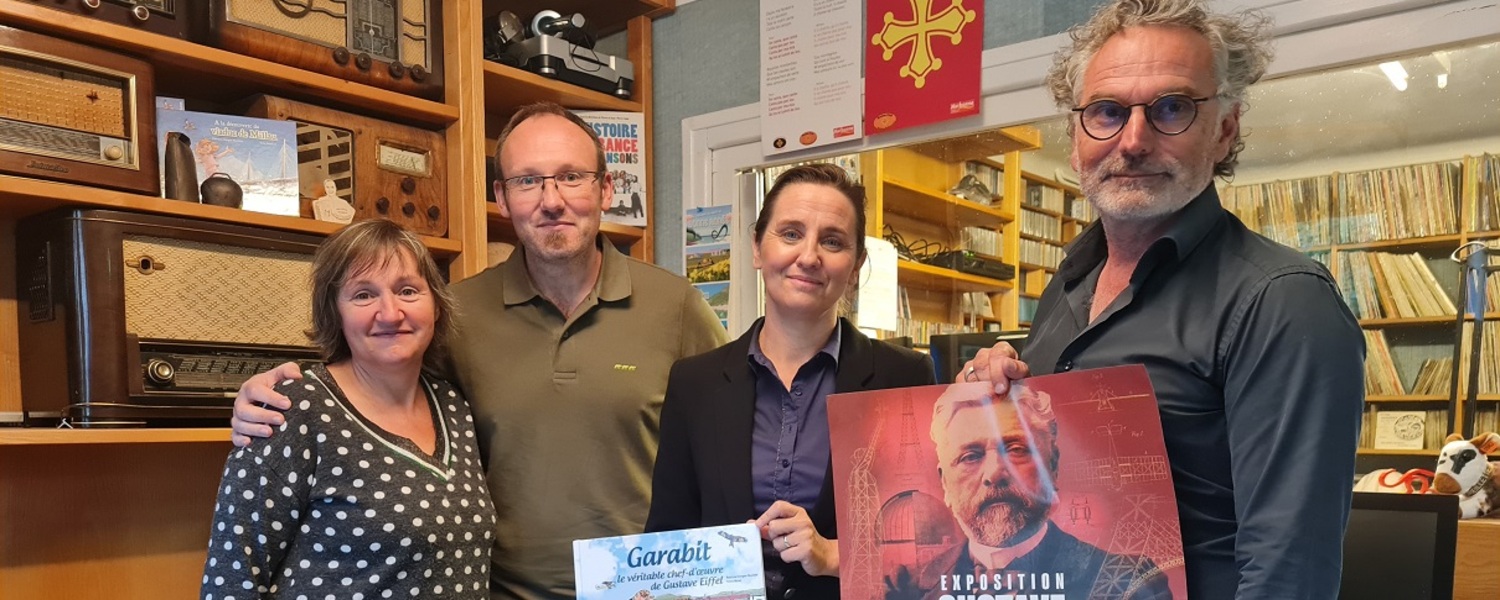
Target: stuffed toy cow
(1464,469)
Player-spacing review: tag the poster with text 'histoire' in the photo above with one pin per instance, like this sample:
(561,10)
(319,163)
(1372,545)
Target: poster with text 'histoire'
(1059,490)
(717,563)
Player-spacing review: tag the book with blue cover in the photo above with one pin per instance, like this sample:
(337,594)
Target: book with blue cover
(258,154)
(709,562)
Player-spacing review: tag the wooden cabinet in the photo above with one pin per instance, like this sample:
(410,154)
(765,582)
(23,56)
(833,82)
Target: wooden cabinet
(125,513)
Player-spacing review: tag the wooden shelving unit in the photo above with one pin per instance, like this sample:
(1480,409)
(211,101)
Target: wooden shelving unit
(124,513)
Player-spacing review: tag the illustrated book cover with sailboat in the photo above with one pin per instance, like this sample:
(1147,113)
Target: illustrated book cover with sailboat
(258,154)
(1060,490)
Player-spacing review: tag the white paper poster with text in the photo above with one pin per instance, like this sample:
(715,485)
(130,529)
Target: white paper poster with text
(810,85)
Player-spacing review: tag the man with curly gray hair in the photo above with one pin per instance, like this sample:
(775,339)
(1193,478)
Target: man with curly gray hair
(1256,361)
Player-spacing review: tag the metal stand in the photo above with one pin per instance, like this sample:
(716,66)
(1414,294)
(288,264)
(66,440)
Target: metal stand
(1474,272)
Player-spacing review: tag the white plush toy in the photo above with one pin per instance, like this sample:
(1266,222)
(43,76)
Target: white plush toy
(1464,469)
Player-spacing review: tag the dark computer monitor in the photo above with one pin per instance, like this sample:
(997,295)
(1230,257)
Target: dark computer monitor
(1400,546)
(951,351)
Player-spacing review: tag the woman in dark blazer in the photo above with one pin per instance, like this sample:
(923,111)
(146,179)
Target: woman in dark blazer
(744,428)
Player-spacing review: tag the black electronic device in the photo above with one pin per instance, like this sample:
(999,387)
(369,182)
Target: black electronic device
(951,351)
(1400,546)
(973,263)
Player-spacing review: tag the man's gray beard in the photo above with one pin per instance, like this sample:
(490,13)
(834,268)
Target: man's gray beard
(1143,203)
(996,525)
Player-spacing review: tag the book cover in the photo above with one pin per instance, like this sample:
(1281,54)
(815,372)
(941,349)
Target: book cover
(1400,429)
(259,154)
(622,134)
(722,563)
(1059,490)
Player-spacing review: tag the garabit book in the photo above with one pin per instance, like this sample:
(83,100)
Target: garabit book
(709,562)
(1059,490)
(259,154)
(621,134)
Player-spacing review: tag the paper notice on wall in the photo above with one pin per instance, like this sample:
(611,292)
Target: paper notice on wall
(878,293)
(810,81)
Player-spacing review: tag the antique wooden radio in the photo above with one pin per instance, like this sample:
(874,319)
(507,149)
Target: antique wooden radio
(393,44)
(146,319)
(184,19)
(381,168)
(78,114)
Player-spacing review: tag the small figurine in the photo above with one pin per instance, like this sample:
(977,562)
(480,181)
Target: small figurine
(1464,469)
(330,207)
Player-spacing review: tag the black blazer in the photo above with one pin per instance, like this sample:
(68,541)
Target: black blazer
(702,473)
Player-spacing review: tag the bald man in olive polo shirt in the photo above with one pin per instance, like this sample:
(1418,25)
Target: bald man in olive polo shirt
(563,353)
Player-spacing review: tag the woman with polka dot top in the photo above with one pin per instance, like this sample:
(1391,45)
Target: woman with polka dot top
(372,487)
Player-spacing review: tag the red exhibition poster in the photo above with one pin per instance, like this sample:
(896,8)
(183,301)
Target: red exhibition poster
(922,62)
(1059,490)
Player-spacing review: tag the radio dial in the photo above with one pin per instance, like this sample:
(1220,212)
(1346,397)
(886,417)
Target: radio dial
(160,372)
(91,3)
(408,185)
(141,13)
(383,205)
(418,74)
(114,153)
(408,209)
(398,70)
(434,212)
(362,61)
(341,55)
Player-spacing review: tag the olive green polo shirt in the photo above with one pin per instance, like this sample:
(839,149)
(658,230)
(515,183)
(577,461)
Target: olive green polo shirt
(567,410)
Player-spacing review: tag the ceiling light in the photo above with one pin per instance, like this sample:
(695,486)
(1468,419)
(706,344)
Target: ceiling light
(1442,81)
(1396,73)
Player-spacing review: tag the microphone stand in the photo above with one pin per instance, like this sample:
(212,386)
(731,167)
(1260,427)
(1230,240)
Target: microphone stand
(1474,272)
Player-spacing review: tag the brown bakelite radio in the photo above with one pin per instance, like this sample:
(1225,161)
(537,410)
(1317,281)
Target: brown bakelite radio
(392,44)
(73,113)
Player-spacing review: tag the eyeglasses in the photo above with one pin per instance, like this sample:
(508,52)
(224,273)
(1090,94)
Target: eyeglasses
(567,182)
(1171,114)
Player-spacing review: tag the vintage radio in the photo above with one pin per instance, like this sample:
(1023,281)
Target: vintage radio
(393,44)
(73,113)
(185,19)
(145,319)
(383,169)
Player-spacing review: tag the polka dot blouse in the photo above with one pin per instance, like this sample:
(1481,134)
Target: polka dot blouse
(332,506)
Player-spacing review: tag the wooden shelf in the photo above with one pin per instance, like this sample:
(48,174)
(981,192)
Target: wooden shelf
(1406,398)
(1040,180)
(24,436)
(1418,321)
(1030,296)
(1026,266)
(621,235)
(23,196)
(202,72)
(911,200)
(1050,213)
(1037,238)
(1382,452)
(928,277)
(506,88)
(1437,241)
(602,18)
(982,145)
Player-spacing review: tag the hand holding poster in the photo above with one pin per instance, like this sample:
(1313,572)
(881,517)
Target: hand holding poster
(1059,490)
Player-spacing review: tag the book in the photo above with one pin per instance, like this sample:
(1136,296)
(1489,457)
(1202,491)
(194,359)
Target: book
(622,135)
(708,562)
(1400,429)
(258,154)
(914,472)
